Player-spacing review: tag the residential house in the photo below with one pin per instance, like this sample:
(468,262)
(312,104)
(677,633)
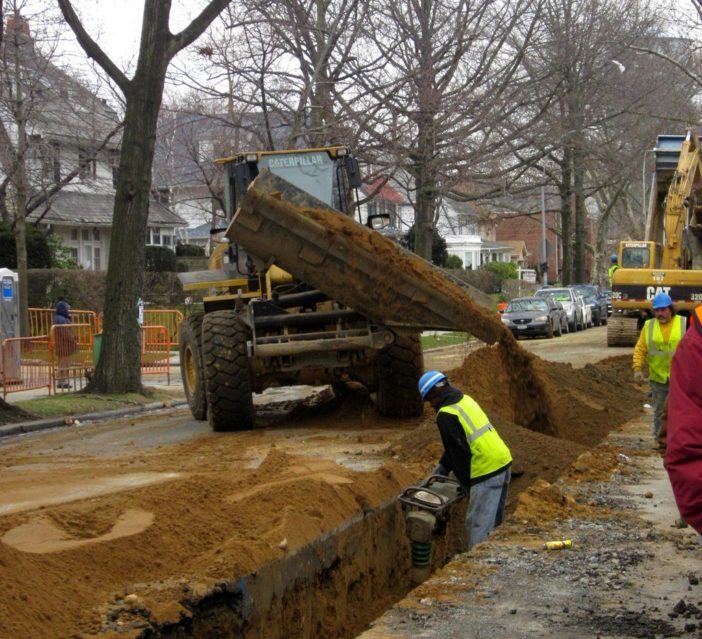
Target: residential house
(72,139)
(467,236)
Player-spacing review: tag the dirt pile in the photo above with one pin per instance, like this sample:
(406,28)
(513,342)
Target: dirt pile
(226,504)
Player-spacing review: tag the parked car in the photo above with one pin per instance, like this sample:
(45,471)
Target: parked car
(569,300)
(532,316)
(598,311)
(600,314)
(587,312)
(608,296)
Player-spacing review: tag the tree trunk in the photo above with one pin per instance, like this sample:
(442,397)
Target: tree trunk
(566,197)
(425,188)
(119,368)
(21,196)
(579,213)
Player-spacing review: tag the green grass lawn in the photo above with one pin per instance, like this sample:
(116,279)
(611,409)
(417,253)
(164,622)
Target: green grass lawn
(80,404)
(431,340)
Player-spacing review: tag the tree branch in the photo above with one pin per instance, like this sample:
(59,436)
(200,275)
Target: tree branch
(195,29)
(91,48)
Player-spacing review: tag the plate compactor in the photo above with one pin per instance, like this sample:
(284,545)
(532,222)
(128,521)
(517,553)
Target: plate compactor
(427,509)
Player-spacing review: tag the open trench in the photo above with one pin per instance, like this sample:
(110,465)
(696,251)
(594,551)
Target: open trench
(333,587)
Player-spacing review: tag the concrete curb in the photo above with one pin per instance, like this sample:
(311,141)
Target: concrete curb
(56,422)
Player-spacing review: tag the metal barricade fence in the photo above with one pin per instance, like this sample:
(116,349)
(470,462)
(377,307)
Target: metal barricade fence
(71,355)
(26,364)
(168,318)
(42,319)
(155,351)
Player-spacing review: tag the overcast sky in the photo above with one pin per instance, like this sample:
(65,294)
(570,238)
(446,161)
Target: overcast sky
(116,25)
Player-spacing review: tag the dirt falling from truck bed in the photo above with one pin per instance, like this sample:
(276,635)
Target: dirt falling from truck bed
(527,396)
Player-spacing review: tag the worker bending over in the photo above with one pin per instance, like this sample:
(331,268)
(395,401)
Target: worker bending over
(473,450)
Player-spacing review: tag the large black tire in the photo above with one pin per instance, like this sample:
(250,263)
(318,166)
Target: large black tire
(399,367)
(191,368)
(227,373)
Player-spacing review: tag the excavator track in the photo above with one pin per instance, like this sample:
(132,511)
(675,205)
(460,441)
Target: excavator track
(622,330)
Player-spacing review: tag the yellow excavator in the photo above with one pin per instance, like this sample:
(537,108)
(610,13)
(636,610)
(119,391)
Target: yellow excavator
(300,293)
(669,260)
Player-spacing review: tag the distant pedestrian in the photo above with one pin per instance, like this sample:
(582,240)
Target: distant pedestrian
(65,343)
(614,265)
(657,342)
(473,450)
(683,456)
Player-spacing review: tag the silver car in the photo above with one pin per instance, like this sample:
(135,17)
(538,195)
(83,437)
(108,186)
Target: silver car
(571,305)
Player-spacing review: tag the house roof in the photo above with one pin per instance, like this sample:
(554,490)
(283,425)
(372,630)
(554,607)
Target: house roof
(497,246)
(519,247)
(73,207)
(385,192)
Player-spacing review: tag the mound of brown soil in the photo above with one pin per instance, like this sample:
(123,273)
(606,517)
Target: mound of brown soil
(233,501)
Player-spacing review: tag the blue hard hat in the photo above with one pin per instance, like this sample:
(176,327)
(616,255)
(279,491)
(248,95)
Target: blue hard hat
(662,300)
(429,380)
(613,258)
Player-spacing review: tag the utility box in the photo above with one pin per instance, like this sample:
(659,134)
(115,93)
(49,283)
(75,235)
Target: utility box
(9,324)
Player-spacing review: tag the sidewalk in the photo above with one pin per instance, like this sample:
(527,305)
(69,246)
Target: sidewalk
(157,381)
(629,573)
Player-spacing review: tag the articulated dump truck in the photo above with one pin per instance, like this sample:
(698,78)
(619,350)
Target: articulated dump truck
(300,293)
(669,259)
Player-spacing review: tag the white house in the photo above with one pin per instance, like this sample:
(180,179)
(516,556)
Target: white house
(72,142)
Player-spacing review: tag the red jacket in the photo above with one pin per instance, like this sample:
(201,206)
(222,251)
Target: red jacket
(683,457)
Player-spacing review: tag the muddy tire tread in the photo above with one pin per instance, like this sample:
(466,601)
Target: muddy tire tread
(400,366)
(227,373)
(191,336)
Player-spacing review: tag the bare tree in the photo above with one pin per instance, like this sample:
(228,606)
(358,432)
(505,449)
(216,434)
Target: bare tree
(598,102)
(42,108)
(119,367)
(439,90)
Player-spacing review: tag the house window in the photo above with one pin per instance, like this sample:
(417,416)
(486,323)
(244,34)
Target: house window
(96,253)
(85,234)
(74,236)
(96,235)
(73,252)
(156,236)
(86,164)
(167,240)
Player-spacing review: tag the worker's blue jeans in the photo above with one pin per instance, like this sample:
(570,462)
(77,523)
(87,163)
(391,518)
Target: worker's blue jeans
(659,393)
(486,506)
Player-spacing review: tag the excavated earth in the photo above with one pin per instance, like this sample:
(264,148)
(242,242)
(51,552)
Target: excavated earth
(148,537)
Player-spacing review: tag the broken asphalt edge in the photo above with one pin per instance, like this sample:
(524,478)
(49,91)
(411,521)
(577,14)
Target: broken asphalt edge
(54,422)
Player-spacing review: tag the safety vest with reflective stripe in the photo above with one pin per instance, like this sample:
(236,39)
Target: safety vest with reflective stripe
(488,452)
(660,353)
(610,272)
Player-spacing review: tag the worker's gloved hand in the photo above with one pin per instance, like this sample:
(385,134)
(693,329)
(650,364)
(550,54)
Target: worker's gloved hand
(638,377)
(439,469)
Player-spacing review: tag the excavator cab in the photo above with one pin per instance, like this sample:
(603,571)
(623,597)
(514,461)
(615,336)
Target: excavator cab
(638,255)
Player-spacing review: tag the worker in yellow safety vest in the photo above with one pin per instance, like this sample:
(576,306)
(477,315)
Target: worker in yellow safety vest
(614,266)
(656,345)
(473,450)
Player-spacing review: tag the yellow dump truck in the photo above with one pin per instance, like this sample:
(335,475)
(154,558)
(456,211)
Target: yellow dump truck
(300,293)
(669,259)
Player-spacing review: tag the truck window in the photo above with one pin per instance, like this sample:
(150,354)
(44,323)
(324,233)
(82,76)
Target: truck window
(310,172)
(636,257)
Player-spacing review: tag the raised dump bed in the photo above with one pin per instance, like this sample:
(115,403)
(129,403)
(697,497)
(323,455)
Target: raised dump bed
(354,264)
